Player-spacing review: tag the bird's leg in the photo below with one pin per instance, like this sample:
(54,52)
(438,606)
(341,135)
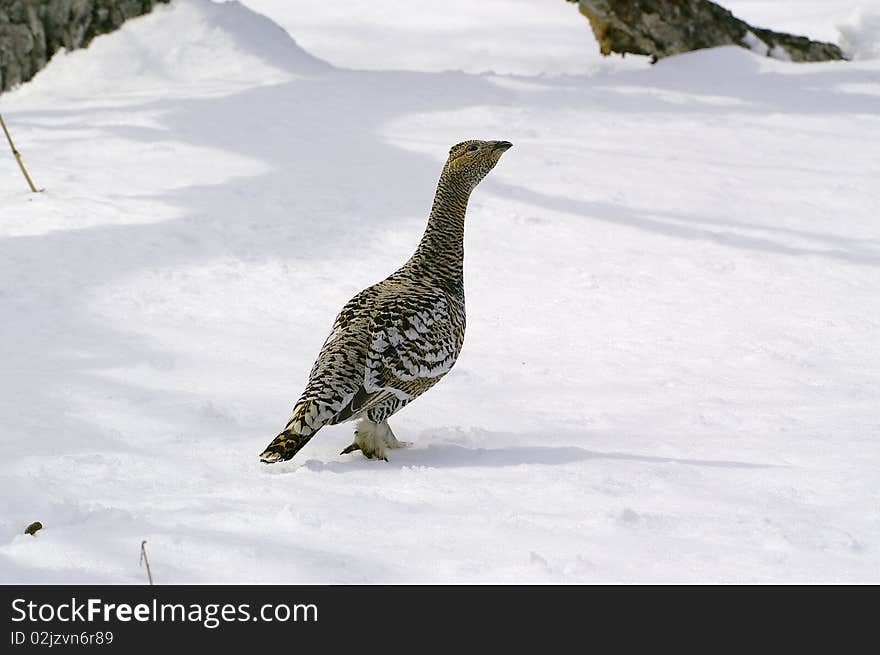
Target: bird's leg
(389,438)
(372,439)
(369,439)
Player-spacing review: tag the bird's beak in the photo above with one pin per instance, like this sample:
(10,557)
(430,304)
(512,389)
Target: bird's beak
(501,145)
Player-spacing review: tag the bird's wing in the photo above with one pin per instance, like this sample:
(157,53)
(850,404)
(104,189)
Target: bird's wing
(409,340)
(414,340)
(335,385)
(360,401)
(353,319)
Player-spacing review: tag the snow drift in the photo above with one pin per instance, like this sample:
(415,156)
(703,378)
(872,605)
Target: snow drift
(670,372)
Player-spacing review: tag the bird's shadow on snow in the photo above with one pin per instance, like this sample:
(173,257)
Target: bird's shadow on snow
(457,456)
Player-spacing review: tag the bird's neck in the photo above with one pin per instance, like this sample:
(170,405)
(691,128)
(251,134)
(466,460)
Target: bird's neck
(441,251)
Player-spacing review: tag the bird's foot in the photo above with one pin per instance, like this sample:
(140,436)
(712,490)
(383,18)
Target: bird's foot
(350,449)
(372,439)
(368,453)
(389,438)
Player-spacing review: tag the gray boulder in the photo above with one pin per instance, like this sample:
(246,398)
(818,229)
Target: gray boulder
(659,28)
(31,31)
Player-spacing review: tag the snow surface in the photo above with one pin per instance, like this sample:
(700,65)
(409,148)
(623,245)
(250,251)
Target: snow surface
(860,34)
(756,45)
(671,372)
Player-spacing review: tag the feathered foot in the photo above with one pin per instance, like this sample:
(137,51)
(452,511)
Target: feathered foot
(284,446)
(372,439)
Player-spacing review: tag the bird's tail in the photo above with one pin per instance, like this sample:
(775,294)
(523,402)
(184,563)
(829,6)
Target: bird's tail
(295,435)
(283,447)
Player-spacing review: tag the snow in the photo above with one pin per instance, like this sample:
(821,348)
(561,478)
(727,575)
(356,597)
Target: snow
(528,37)
(817,19)
(756,45)
(671,371)
(860,34)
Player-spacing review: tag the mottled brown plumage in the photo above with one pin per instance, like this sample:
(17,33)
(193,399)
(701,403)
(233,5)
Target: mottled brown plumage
(395,340)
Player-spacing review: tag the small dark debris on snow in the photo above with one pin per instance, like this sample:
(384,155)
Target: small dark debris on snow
(33,527)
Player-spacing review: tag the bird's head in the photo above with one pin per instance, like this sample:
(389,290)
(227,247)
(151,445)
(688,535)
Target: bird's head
(470,161)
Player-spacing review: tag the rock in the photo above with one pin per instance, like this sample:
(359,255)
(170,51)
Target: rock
(33,527)
(660,28)
(31,31)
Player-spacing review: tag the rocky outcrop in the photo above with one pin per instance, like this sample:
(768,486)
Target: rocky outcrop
(659,28)
(31,31)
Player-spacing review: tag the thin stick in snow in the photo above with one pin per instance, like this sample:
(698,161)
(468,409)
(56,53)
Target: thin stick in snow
(17,156)
(145,561)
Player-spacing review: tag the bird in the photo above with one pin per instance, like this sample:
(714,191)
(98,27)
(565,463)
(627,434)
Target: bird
(396,339)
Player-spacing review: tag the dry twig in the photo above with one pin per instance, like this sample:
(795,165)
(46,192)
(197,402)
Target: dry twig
(145,561)
(17,156)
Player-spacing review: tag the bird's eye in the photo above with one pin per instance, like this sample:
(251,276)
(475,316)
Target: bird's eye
(473,148)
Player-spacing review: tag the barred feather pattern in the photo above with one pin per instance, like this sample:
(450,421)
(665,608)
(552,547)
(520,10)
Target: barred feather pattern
(396,339)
